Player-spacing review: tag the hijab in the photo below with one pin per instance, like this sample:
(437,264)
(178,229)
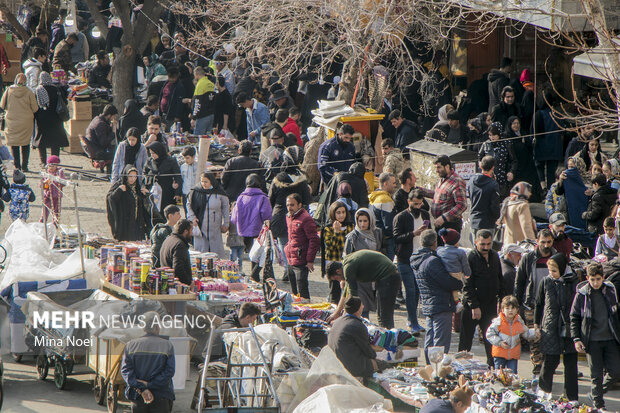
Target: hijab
(132,118)
(367,234)
(561,261)
(160,150)
(508,128)
(131,152)
(43,99)
(134,188)
(442,115)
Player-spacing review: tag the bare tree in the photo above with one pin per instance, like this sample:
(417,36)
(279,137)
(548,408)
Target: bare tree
(296,36)
(12,20)
(136,35)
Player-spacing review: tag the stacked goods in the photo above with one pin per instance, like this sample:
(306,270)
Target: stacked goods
(81,115)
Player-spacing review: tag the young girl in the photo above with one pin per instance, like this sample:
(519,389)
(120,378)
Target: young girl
(607,244)
(505,333)
(334,236)
(52,191)
(552,326)
(20,195)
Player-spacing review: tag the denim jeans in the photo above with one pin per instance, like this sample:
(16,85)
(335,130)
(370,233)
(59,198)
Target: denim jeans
(501,362)
(236,254)
(203,125)
(389,248)
(387,289)
(438,332)
(412,294)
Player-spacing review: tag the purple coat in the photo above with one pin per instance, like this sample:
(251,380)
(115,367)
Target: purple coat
(250,211)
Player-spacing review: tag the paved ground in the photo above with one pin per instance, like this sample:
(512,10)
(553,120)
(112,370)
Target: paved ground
(24,393)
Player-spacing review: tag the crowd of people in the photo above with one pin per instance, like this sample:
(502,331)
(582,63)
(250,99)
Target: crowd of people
(395,245)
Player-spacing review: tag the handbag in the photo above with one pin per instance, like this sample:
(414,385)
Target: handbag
(61,108)
(498,237)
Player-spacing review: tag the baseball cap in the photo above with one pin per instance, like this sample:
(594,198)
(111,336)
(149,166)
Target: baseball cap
(557,219)
(507,249)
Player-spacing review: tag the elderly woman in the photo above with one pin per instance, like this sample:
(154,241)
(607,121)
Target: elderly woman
(516,217)
(209,209)
(20,105)
(50,130)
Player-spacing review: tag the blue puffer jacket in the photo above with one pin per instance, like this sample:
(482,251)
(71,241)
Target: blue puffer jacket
(434,282)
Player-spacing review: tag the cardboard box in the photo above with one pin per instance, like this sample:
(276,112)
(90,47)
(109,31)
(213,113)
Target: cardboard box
(76,127)
(74,145)
(81,109)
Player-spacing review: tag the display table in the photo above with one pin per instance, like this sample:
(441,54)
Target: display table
(123,293)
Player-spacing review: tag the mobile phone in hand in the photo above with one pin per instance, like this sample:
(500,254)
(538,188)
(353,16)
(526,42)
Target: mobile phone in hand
(427,223)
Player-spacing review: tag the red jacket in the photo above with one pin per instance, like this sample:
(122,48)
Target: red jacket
(303,240)
(291,127)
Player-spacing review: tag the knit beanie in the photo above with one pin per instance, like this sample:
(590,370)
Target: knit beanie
(53,160)
(352,305)
(526,76)
(449,236)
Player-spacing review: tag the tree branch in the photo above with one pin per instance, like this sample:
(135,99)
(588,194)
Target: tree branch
(12,20)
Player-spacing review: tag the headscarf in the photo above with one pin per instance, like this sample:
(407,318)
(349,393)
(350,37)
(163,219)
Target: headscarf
(519,193)
(160,150)
(560,260)
(521,190)
(580,164)
(43,99)
(508,128)
(132,118)
(131,152)
(132,188)
(442,115)
(614,165)
(368,234)
(20,80)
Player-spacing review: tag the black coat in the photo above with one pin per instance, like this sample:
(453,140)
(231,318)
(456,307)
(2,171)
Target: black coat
(581,312)
(483,193)
(497,81)
(165,171)
(403,228)
(50,130)
(174,253)
(552,313)
(235,172)
(278,192)
(509,274)
(599,208)
(501,112)
(128,221)
(485,287)
(524,289)
(407,133)
(526,168)
(348,338)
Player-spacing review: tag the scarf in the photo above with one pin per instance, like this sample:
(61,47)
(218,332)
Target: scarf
(43,99)
(368,235)
(131,152)
(580,164)
(133,188)
(519,193)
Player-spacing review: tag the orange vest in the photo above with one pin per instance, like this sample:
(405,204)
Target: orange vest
(510,333)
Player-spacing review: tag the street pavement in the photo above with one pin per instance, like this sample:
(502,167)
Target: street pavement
(24,393)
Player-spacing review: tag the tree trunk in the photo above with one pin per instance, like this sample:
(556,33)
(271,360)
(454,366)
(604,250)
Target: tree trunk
(49,13)
(596,14)
(346,88)
(97,17)
(123,69)
(12,20)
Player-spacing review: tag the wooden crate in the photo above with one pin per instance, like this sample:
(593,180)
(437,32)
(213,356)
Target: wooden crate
(81,110)
(74,145)
(77,127)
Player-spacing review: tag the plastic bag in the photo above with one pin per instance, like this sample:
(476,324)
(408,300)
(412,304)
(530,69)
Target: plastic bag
(258,252)
(156,192)
(343,398)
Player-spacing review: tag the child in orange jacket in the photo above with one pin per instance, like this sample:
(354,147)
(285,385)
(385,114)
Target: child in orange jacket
(505,334)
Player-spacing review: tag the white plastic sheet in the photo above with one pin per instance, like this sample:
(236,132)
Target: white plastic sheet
(343,398)
(326,370)
(31,259)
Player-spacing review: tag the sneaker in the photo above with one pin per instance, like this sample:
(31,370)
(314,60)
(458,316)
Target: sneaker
(416,330)
(459,307)
(400,300)
(543,395)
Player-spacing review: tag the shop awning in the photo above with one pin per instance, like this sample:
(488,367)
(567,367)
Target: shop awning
(594,63)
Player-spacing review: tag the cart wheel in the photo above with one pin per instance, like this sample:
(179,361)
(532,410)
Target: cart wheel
(60,374)
(112,398)
(42,366)
(17,357)
(99,390)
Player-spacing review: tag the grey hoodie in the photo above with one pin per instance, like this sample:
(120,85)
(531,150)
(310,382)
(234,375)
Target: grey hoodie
(32,70)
